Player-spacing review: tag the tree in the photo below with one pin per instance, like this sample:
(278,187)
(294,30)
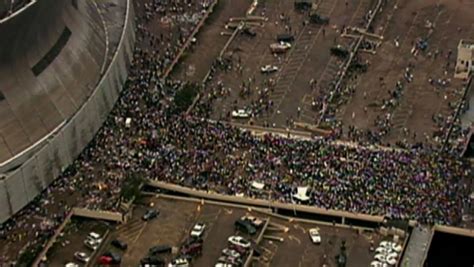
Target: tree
(185,96)
(131,188)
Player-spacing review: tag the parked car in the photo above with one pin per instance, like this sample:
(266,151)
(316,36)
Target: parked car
(116,258)
(152,261)
(239,241)
(192,249)
(71,264)
(105,260)
(318,19)
(256,222)
(89,243)
(198,230)
(315,236)
(280,47)
(285,37)
(94,236)
(179,262)
(382,250)
(392,258)
(193,240)
(230,253)
(150,214)
(223,264)
(381,257)
(339,51)
(81,256)
(240,113)
(241,250)
(235,261)
(268,69)
(159,249)
(245,227)
(119,244)
(391,245)
(303,5)
(376,264)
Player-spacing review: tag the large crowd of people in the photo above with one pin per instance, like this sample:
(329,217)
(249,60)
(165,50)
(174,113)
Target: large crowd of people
(145,135)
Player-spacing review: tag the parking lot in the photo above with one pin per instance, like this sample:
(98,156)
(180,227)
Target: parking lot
(402,24)
(297,93)
(209,41)
(283,242)
(177,217)
(172,227)
(308,60)
(298,250)
(72,239)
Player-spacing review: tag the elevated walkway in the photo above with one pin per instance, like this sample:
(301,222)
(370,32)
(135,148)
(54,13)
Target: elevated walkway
(99,215)
(417,248)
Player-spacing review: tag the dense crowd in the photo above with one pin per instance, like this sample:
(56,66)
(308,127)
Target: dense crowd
(145,135)
(91,181)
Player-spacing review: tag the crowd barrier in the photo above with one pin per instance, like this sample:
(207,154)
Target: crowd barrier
(22,185)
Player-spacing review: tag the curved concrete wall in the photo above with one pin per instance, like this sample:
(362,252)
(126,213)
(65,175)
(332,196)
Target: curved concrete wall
(23,184)
(51,57)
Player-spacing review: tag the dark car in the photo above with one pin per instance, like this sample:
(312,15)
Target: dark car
(303,5)
(150,214)
(193,240)
(318,19)
(159,249)
(119,244)
(240,250)
(288,38)
(339,52)
(192,249)
(245,227)
(153,261)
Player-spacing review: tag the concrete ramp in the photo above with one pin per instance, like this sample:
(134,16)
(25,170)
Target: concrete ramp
(417,248)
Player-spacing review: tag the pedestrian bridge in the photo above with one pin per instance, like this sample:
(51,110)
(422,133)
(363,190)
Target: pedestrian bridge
(99,215)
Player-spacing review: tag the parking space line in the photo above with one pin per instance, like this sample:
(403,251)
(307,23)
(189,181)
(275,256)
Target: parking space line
(140,233)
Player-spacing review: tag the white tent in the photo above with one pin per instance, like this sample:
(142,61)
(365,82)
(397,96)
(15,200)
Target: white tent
(302,193)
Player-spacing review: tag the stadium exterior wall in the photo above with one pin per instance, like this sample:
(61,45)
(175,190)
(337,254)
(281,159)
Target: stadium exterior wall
(22,185)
